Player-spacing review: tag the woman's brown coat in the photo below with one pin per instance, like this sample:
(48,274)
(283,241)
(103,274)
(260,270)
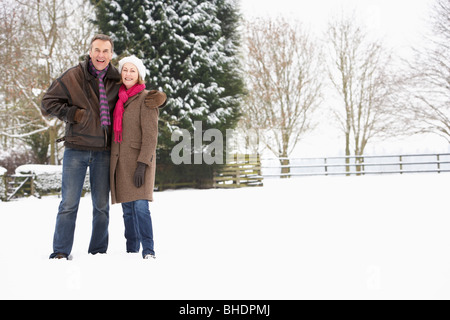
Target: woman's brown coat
(139,140)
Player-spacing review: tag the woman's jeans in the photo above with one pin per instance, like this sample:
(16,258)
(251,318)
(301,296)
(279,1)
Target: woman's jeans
(75,165)
(138,226)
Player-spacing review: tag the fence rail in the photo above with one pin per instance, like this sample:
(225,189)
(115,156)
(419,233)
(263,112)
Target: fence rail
(357,165)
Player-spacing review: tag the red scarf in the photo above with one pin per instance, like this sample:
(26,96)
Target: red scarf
(124,94)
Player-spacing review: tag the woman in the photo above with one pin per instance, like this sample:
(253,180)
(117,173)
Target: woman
(133,154)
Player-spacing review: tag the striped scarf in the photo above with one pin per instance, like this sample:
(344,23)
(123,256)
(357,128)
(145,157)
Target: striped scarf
(105,117)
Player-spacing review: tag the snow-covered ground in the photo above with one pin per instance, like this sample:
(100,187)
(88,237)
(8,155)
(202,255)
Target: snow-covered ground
(372,237)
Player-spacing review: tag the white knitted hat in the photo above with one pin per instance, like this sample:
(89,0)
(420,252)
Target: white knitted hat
(137,62)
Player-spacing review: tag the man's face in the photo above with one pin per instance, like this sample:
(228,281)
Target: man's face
(101,54)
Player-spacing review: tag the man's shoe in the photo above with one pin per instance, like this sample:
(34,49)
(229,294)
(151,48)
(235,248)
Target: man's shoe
(60,256)
(149,256)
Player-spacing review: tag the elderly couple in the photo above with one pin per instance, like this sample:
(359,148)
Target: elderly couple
(112,129)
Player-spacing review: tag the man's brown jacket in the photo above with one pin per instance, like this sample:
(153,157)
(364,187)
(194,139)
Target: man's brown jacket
(78,89)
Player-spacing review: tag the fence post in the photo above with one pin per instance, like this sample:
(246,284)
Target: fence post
(363,166)
(5,184)
(32,185)
(438,163)
(238,175)
(326,167)
(401,164)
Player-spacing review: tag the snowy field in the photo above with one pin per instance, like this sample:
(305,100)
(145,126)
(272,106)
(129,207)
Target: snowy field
(372,237)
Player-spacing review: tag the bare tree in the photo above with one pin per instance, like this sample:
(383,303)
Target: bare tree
(11,18)
(360,70)
(429,86)
(283,76)
(46,38)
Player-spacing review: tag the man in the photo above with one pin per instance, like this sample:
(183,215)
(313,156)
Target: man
(84,97)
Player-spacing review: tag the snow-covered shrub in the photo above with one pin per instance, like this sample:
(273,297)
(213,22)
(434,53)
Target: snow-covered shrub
(11,159)
(2,184)
(47,178)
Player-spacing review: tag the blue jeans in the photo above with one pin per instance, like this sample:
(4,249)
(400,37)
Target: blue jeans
(138,227)
(75,165)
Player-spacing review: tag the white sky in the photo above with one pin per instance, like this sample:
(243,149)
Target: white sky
(400,22)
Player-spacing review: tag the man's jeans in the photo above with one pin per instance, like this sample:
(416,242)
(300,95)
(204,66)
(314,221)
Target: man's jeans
(138,226)
(75,165)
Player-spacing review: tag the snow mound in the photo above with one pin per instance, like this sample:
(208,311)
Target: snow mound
(371,237)
(39,169)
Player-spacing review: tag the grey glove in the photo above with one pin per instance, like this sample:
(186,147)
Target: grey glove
(139,175)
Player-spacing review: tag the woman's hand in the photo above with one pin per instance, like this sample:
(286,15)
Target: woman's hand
(139,175)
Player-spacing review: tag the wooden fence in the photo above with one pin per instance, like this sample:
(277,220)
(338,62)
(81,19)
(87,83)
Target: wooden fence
(239,171)
(34,180)
(18,185)
(357,165)
(250,170)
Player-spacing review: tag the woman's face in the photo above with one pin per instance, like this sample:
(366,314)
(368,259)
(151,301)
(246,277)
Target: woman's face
(130,75)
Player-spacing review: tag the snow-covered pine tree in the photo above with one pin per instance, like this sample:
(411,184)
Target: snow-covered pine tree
(124,21)
(190,49)
(195,61)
